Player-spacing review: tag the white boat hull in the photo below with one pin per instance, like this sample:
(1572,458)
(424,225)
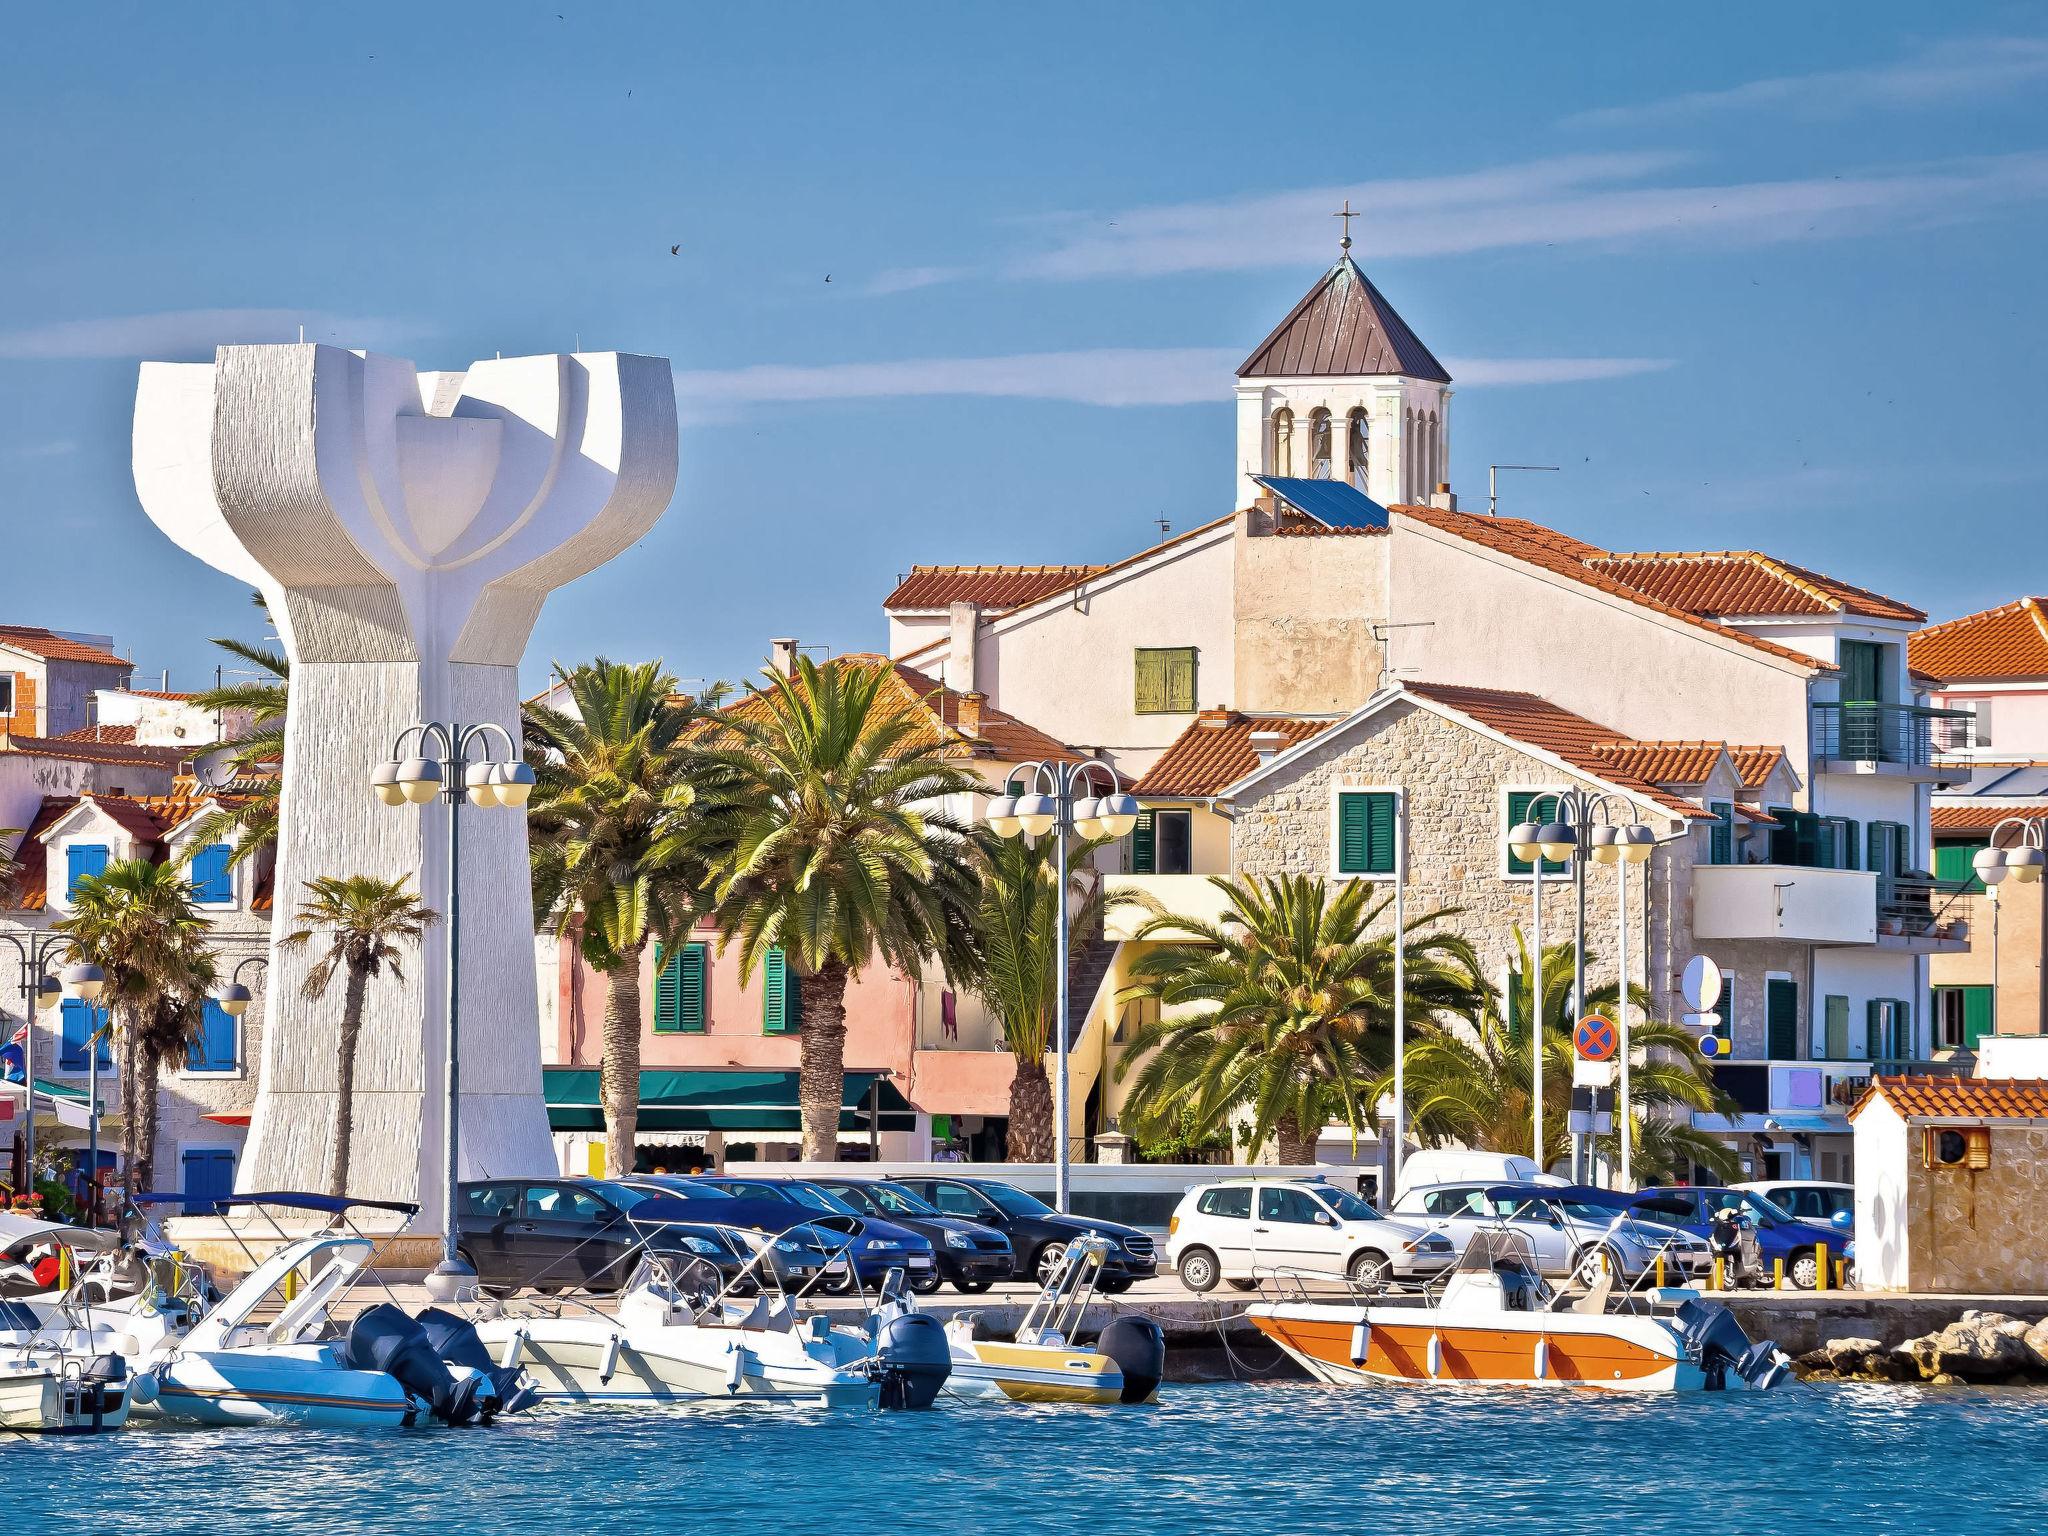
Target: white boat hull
(35,1401)
(591,1360)
(279,1384)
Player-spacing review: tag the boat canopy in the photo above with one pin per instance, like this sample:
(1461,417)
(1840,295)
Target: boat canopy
(15,1228)
(334,1205)
(718,1100)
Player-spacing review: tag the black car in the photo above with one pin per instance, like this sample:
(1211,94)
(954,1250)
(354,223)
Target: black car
(550,1235)
(971,1254)
(796,1259)
(1038,1234)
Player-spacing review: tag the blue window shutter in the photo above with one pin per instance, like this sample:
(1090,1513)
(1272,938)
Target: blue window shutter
(79,1022)
(777,986)
(209,1175)
(211,880)
(81,860)
(218,1048)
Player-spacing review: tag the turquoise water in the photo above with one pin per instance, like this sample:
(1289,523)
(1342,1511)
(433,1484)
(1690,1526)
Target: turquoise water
(1255,1459)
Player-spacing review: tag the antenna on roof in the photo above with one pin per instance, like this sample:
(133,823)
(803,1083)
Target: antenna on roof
(1493,482)
(1164,526)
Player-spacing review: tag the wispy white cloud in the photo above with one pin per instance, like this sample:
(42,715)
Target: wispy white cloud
(1953,69)
(1116,376)
(181,333)
(1580,200)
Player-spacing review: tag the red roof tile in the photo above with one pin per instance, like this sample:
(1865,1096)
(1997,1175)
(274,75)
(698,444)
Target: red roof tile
(120,735)
(1342,328)
(1216,751)
(52,646)
(1690,762)
(1982,816)
(2011,641)
(1958,1098)
(997,588)
(1744,582)
(83,751)
(1574,558)
(1574,739)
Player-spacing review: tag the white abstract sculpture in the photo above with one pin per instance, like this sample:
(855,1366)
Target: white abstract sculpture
(404,528)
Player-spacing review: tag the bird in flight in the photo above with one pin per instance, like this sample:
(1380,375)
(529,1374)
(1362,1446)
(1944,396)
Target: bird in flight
(828,277)
(675,250)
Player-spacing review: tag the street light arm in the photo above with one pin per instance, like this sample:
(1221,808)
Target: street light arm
(469,733)
(423,731)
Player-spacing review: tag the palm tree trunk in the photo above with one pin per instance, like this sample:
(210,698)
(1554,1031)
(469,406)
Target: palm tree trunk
(821,1076)
(1030,1139)
(620,1077)
(1294,1145)
(131,1101)
(147,1067)
(345,1077)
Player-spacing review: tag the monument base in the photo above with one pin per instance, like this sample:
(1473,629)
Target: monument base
(230,1250)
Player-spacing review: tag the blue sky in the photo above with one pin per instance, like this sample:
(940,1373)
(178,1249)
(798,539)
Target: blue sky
(1754,275)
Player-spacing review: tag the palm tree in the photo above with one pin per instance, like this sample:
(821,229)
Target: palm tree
(1009,961)
(1474,1088)
(1293,1002)
(617,846)
(137,922)
(251,821)
(370,923)
(839,850)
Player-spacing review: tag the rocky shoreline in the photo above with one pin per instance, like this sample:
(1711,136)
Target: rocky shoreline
(1979,1348)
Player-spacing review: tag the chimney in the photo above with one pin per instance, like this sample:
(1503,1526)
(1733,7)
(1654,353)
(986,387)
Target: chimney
(963,623)
(782,656)
(967,715)
(1268,745)
(1444,497)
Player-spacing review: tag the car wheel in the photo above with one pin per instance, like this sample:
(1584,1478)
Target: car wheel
(927,1284)
(1594,1261)
(495,1292)
(1804,1271)
(972,1287)
(1199,1271)
(837,1285)
(1050,1257)
(1244,1285)
(1370,1269)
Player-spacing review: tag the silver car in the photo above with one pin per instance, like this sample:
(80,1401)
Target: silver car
(1572,1229)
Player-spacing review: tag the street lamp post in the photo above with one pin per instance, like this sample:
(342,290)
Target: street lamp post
(486,782)
(1583,823)
(233,995)
(85,982)
(1051,805)
(37,987)
(2023,862)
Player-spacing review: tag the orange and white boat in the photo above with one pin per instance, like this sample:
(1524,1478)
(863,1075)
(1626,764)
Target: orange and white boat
(1499,1323)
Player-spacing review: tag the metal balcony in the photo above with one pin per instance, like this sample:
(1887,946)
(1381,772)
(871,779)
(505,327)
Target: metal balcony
(1905,740)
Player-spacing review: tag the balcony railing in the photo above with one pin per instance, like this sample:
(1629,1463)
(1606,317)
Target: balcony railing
(1922,907)
(1846,1090)
(1906,735)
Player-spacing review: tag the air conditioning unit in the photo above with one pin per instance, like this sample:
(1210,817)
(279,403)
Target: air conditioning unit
(1965,1146)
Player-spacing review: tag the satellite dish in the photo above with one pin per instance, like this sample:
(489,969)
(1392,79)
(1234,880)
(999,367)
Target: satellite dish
(1701,983)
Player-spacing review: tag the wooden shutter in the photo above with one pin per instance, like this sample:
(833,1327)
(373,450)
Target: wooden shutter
(777,985)
(1165,681)
(71,1047)
(1150,690)
(1861,683)
(679,990)
(1353,842)
(210,878)
(1848,854)
(1781,1019)
(1180,681)
(216,1049)
(1144,846)
(81,860)
(1956,861)
(667,974)
(1976,1015)
(1721,837)
(1836,1029)
(1519,801)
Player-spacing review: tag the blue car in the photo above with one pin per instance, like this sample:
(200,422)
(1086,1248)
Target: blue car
(1779,1234)
(873,1246)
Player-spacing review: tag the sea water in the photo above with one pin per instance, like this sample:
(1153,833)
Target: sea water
(1234,1458)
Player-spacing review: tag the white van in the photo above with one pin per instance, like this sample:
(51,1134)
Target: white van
(1457,1166)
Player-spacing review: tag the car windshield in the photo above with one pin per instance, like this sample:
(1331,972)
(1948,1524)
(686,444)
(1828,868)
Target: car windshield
(1015,1201)
(1585,1210)
(1347,1205)
(624,1196)
(895,1200)
(816,1199)
(1762,1208)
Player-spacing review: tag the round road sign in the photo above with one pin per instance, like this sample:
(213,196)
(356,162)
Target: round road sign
(1596,1038)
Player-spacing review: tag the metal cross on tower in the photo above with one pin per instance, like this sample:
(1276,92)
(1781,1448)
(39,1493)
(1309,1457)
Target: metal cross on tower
(1347,216)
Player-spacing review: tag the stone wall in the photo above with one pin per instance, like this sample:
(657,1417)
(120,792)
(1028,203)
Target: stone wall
(1456,779)
(1979,1231)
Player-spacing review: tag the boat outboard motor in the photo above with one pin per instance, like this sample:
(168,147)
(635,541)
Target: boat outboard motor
(1138,1346)
(913,1359)
(385,1339)
(455,1340)
(1721,1346)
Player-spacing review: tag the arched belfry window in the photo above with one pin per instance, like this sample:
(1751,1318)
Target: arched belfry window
(1320,448)
(1283,442)
(1408,454)
(1358,446)
(1433,459)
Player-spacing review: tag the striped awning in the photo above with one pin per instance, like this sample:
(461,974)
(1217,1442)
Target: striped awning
(682,1100)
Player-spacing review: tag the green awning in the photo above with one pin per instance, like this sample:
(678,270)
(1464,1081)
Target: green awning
(672,1100)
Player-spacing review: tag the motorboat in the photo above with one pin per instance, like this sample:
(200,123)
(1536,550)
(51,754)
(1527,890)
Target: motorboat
(302,1366)
(682,1331)
(1042,1362)
(1499,1322)
(59,1378)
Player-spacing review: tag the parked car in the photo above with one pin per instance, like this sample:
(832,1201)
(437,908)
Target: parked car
(1240,1229)
(1459,1165)
(1779,1234)
(971,1254)
(798,1259)
(554,1235)
(1809,1199)
(871,1245)
(1039,1234)
(1570,1228)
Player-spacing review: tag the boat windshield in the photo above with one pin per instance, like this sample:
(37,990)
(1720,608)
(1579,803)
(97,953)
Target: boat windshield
(1014,1201)
(1347,1205)
(818,1200)
(895,1200)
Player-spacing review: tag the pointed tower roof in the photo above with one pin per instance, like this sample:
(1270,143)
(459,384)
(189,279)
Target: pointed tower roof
(1342,327)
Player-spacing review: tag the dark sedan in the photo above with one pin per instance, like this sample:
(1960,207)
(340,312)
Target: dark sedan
(971,1254)
(797,1258)
(1779,1234)
(554,1235)
(873,1246)
(1039,1234)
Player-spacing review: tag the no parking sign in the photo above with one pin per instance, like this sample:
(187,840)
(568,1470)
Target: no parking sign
(1596,1038)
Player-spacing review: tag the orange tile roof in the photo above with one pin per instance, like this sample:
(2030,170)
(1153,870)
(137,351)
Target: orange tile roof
(84,751)
(1308,530)
(148,818)
(998,588)
(118,734)
(160,693)
(1216,751)
(1574,739)
(1574,558)
(1720,583)
(1958,1098)
(52,646)
(2011,641)
(1982,816)
(1690,762)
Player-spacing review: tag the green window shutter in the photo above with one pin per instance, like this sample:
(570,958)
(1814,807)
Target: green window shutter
(667,970)
(778,995)
(1382,831)
(1861,682)
(1873,1029)
(690,989)
(1519,801)
(1144,846)
(1366,827)
(1902,855)
(1851,857)
(1150,691)
(1721,838)
(1955,861)
(1180,681)
(1165,681)
(1976,1015)
(1836,1044)
(1781,1019)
